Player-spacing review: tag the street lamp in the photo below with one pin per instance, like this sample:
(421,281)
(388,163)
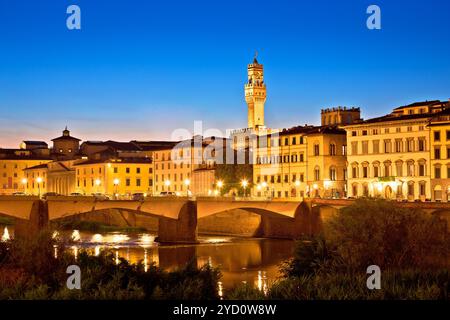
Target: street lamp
(39,181)
(297,184)
(24,183)
(116,182)
(219,186)
(244,184)
(187,182)
(167,184)
(264,185)
(97,183)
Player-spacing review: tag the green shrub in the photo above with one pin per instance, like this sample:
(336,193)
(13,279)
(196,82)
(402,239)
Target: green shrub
(379,232)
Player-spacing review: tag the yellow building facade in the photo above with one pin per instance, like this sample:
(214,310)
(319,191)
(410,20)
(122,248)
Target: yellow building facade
(12,175)
(305,161)
(391,156)
(439,129)
(120,177)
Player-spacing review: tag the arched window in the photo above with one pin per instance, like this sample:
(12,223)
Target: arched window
(333,176)
(355,170)
(316,173)
(332,149)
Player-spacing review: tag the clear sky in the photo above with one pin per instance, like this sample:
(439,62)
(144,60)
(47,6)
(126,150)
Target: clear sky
(140,69)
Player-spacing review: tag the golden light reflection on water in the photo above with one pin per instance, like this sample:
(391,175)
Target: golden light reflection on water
(6,236)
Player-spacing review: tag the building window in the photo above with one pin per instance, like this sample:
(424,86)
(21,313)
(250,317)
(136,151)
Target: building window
(353,133)
(387,169)
(365,171)
(410,166)
(421,144)
(376,171)
(150,182)
(333,174)
(127,170)
(376,146)
(437,172)
(332,149)
(447,134)
(399,167)
(316,149)
(387,146)
(354,148)
(355,171)
(437,136)
(421,169)
(294,141)
(410,145)
(411,189)
(398,145)
(437,153)
(422,189)
(127,182)
(138,182)
(138,170)
(317,174)
(344,150)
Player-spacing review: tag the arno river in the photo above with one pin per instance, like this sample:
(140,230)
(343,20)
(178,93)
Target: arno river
(249,260)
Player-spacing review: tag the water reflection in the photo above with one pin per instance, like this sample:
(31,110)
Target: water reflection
(253,261)
(75,235)
(6,236)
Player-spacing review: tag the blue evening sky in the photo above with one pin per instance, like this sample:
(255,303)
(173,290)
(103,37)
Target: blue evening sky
(140,69)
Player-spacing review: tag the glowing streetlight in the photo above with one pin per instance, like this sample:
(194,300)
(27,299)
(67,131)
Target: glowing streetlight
(39,181)
(297,183)
(97,182)
(187,182)
(167,184)
(24,182)
(244,184)
(116,182)
(220,184)
(264,184)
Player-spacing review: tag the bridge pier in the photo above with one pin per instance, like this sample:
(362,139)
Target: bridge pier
(183,229)
(38,220)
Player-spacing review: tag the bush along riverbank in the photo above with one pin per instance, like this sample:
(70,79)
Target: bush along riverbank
(410,247)
(29,270)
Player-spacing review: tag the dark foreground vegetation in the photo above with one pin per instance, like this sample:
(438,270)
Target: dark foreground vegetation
(410,247)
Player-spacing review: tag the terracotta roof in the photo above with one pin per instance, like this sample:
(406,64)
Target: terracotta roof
(39,166)
(115,161)
(421,103)
(66,138)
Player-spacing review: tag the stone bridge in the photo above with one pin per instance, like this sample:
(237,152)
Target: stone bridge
(178,218)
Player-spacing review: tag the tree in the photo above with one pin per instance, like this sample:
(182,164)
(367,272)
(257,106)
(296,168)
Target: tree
(232,176)
(382,233)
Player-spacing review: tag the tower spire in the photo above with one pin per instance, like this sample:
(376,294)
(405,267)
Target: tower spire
(255,93)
